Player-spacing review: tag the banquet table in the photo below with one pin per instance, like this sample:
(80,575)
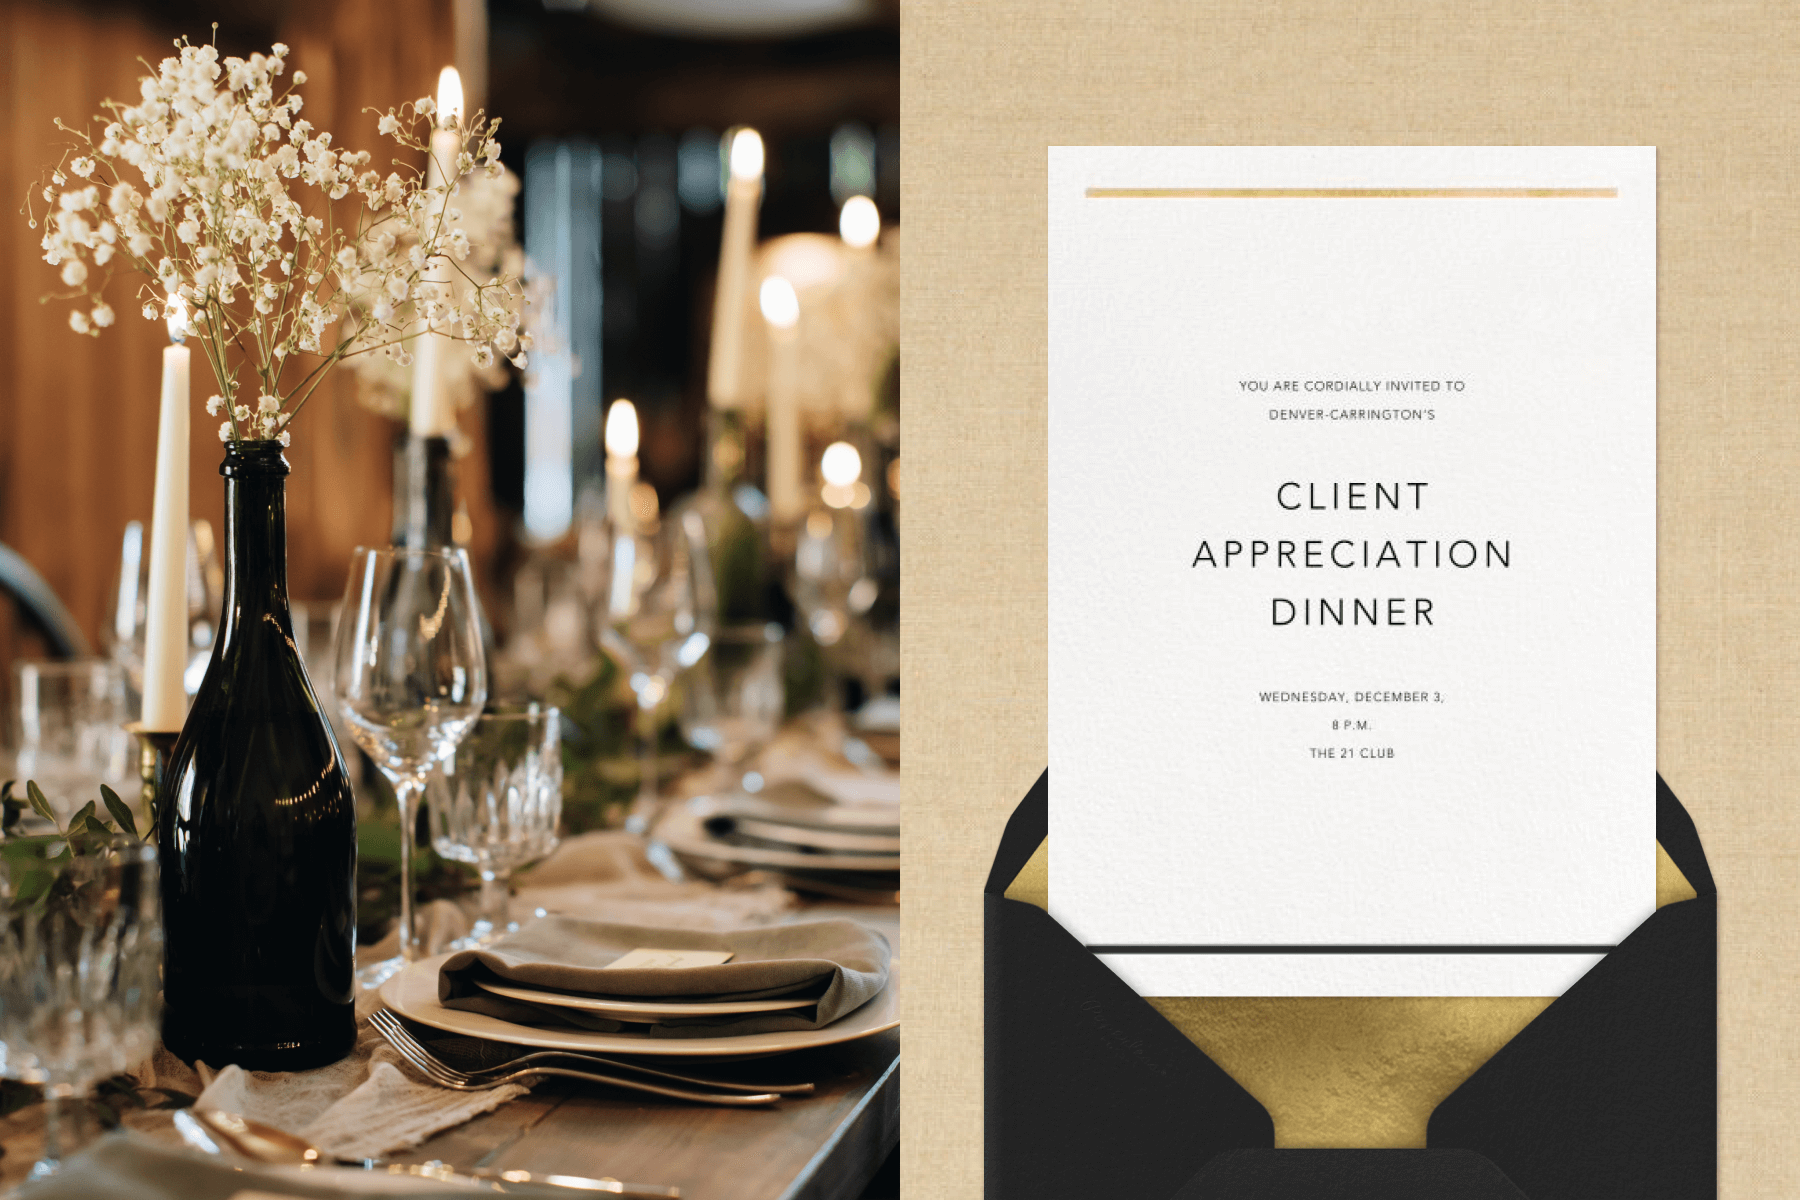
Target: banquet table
(826,1146)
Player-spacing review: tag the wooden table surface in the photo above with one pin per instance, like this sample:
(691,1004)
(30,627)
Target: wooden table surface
(826,1146)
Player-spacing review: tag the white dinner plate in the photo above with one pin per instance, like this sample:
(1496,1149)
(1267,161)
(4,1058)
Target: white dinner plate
(638,1010)
(683,830)
(413,994)
(802,836)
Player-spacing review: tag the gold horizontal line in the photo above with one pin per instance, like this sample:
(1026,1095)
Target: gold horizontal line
(1467,193)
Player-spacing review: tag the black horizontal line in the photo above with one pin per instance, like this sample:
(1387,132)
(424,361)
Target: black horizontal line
(1165,949)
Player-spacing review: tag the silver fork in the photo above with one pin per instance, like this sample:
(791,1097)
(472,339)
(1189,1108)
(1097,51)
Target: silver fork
(444,1075)
(594,1060)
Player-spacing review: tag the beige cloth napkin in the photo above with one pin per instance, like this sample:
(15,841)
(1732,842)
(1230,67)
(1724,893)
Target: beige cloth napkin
(608,876)
(363,1106)
(839,965)
(370,1104)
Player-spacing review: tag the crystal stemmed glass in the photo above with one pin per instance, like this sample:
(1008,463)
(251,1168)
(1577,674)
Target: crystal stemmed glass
(80,956)
(69,729)
(411,679)
(496,805)
(657,614)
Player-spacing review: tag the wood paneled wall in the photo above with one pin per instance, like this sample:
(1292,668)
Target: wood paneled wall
(78,416)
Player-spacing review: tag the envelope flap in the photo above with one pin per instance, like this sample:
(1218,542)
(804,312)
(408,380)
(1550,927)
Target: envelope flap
(1349,1175)
(1026,829)
(1680,840)
(1613,1089)
(1090,1092)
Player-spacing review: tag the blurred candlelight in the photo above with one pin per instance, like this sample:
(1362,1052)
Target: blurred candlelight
(841,467)
(747,155)
(859,222)
(743,195)
(780,303)
(621,461)
(449,97)
(622,430)
(166,623)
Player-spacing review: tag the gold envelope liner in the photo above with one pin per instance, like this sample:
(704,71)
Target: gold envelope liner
(1347,1071)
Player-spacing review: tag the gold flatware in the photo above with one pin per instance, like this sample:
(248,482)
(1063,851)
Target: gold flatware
(444,1075)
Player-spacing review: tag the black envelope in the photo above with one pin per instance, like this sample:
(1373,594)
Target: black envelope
(1611,1091)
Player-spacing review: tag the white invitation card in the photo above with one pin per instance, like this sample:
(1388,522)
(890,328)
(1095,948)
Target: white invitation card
(1352,565)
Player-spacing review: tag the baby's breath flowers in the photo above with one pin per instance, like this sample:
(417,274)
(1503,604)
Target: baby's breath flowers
(214,186)
(481,238)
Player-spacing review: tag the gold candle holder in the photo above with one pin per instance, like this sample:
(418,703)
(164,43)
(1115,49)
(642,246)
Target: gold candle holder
(154,747)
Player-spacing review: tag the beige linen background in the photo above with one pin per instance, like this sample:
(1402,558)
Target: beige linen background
(1716,87)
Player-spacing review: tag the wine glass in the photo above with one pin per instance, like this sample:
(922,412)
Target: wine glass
(128,605)
(657,613)
(733,698)
(549,634)
(496,805)
(411,679)
(80,956)
(832,583)
(833,589)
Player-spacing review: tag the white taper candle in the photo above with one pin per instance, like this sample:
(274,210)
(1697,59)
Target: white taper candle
(781,309)
(166,623)
(432,414)
(743,196)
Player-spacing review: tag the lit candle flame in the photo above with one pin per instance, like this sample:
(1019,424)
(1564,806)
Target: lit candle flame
(859,223)
(747,154)
(177,320)
(449,97)
(841,465)
(622,430)
(780,304)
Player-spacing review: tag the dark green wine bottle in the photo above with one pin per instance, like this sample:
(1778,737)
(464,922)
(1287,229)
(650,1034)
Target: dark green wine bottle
(256,824)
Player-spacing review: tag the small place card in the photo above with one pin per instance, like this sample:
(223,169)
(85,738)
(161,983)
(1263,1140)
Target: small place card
(665,960)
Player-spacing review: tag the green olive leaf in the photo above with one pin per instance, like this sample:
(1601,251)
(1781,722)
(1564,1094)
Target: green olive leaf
(39,805)
(119,812)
